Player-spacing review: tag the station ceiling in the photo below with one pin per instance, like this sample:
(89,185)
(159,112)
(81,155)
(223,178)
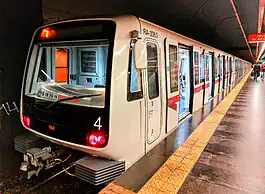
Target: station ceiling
(213,22)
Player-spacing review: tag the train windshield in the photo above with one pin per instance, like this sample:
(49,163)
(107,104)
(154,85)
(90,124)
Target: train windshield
(72,72)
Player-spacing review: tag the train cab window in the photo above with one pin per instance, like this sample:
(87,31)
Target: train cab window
(134,85)
(173,62)
(72,69)
(202,67)
(43,66)
(196,67)
(152,70)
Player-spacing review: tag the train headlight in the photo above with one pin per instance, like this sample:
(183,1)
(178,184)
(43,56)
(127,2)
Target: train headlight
(26,120)
(96,139)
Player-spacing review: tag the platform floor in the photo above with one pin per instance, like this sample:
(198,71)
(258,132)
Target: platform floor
(138,175)
(234,159)
(204,155)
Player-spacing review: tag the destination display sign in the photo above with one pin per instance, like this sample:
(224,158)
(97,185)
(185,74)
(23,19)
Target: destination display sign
(255,38)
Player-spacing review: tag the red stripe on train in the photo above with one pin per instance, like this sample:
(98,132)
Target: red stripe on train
(172,102)
(206,86)
(197,89)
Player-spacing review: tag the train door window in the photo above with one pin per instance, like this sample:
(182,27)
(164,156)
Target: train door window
(202,67)
(184,81)
(173,62)
(152,69)
(224,65)
(228,64)
(209,74)
(134,85)
(216,67)
(230,70)
(233,66)
(61,65)
(207,68)
(224,71)
(221,66)
(196,68)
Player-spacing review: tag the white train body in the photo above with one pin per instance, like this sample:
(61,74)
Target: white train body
(146,104)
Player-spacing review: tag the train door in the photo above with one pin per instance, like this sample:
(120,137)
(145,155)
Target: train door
(152,93)
(233,72)
(224,74)
(60,70)
(221,73)
(211,76)
(172,81)
(230,72)
(202,72)
(218,80)
(207,76)
(197,92)
(184,81)
(227,74)
(216,73)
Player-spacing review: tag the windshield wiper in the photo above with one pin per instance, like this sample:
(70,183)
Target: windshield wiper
(72,98)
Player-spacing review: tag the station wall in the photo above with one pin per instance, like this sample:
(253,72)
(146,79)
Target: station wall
(18,20)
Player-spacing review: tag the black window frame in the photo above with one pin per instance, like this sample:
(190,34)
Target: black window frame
(132,96)
(196,82)
(157,71)
(176,88)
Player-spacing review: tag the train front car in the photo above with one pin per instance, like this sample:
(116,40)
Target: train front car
(66,86)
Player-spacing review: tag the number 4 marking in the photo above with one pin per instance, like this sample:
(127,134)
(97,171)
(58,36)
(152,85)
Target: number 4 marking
(98,123)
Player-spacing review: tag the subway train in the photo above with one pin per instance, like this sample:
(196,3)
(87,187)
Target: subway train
(114,87)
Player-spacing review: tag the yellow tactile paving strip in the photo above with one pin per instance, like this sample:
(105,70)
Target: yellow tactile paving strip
(172,174)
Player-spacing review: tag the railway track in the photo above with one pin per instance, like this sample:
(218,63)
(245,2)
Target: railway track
(30,190)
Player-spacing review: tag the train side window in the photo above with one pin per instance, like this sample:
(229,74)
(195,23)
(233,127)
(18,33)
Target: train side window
(134,86)
(173,62)
(152,71)
(196,67)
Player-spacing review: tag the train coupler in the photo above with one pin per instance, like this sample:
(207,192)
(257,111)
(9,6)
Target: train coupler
(36,159)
